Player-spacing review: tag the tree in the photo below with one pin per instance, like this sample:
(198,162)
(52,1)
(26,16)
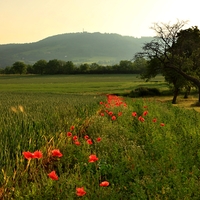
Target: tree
(40,66)
(169,51)
(19,67)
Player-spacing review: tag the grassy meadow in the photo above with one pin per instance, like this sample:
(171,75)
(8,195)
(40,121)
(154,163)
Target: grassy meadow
(64,137)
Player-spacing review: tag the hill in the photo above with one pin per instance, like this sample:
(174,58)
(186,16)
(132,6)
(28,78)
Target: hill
(76,47)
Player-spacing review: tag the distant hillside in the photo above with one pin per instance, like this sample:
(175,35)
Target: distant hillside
(76,47)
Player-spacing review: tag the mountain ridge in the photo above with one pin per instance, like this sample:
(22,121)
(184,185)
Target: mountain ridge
(102,48)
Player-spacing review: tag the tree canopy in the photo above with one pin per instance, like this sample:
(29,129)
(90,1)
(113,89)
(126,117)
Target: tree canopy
(174,53)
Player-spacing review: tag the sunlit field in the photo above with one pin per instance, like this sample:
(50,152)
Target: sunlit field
(76,83)
(79,142)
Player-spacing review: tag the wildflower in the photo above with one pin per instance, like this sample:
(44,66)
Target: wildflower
(140,118)
(72,128)
(145,113)
(53,175)
(77,143)
(102,114)
(37,154)
(80,192)
(134,114)
(89,141)
(92,158)
(56,152)
(162,124)
(75,138)
(113,118)
(28,155)
(154,120)
(69,134)
(101,103)
(104,184)
(98,139)
(86,137)
(110,113)
(119,113)
(145,106)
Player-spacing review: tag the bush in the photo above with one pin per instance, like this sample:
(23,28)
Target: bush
(144,91)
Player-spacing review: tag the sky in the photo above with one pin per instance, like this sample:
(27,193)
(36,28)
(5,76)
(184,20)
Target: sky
(25,21)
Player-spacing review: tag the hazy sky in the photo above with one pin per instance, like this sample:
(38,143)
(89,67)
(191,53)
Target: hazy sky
(32,20)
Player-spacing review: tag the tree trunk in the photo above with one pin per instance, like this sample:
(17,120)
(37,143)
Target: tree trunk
(188,77)
(187,92)
(176,91)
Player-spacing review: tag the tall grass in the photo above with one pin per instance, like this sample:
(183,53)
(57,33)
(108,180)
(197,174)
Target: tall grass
(139,159)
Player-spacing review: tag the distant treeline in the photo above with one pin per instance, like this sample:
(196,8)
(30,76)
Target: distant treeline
(68,67)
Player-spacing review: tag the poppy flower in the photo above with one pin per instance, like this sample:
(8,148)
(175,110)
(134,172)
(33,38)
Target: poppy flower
(101,103)
(75,137)
(134,114)
(145,113)
(92,158)
(86,137)
(154,120)
(53,175)
(104,184)
(162,124)
(140,118)
(110,113)
(89,141)
(77,143)
(102,114)
(113,118)
(28,155)
(57,153)
(37,154)
(98,139)
(72,128)
(80,192)
(69,134)
(119,113)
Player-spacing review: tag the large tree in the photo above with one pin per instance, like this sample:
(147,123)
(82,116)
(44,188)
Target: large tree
(173,49)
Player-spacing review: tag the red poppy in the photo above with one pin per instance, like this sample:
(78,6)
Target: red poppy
(110,113)
(28,155)
(77,143)
(72,128)
(86,137)
(145,113)
(140,118)
(89,141)
(92,158)
(154,120)
(102,114)
(80,192)
(101,103)
(56,152)
(162,124)
(37,154)
(98,139)
(134,114)
(113,118)
(75,137)
(119,113)
(53,175)
(104,184)
(69,134)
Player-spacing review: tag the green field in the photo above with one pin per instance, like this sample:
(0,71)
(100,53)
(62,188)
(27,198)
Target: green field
(76,83)
(148,149)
